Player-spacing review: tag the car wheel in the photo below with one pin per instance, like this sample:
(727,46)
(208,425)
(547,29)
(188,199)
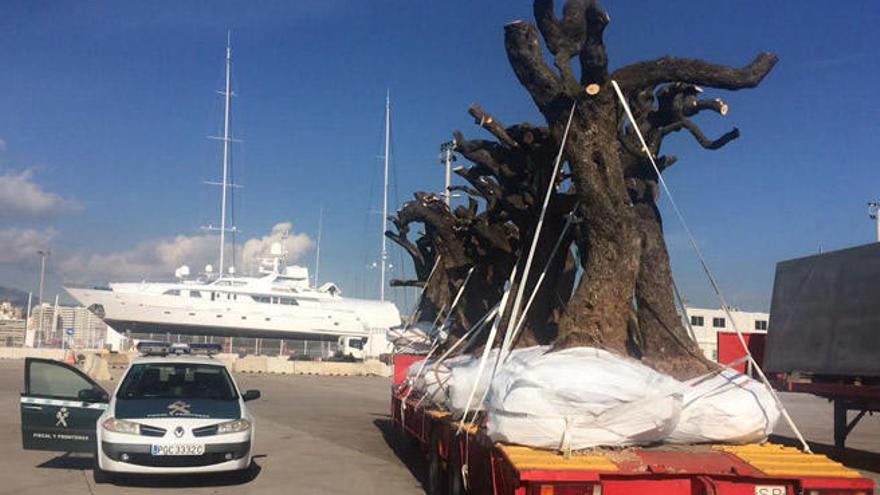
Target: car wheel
(436,476)
(454,480)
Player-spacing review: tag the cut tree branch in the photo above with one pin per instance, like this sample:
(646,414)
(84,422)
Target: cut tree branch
(707,143)
(489,123)
(594,60)
(525,57)
(406,283)
(674,69)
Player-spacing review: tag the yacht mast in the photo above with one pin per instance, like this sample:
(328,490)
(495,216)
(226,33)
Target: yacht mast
(318,250)
(227,95)
(385,196)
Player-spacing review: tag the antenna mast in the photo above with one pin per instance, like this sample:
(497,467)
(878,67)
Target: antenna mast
(385,196)
(447,158)
(224,183)
(227,95)
(318,250)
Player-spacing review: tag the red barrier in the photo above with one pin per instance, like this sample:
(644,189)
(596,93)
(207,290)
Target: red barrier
(401,363)
(730,349)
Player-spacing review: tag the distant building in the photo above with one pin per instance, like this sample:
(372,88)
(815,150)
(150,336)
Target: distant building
(86,330)
(12,332)
(706,323)
(9,311)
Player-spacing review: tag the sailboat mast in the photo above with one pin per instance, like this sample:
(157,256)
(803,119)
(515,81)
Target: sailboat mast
(318,250)
(225,185)
(385,195)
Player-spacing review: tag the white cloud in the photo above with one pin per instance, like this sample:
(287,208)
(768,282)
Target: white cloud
(2,145)
(20,245)
(149,259)
(157,259)
(22,198)
(296,245)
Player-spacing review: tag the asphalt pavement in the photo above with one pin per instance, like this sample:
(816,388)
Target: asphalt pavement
(314,435)
(323,435)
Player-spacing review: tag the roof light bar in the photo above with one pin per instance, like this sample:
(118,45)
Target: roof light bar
(205,348)
(153,348)
(165,348)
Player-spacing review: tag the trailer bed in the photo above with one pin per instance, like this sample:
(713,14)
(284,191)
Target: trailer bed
(500,469)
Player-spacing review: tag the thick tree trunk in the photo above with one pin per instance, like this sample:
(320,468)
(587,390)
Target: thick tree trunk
(624,301)
(661,338)
(541,324)
(599,312)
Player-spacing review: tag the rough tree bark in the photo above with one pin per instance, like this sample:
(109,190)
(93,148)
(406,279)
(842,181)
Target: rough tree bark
(508,177)
(624,301)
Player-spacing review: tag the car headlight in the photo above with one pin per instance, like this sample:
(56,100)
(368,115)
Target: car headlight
(234,426)
(121,426)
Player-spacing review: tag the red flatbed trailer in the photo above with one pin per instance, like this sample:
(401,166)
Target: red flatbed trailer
(500,469)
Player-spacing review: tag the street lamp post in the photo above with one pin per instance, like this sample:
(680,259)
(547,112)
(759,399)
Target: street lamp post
(447,158)
(873,210)
(43,254)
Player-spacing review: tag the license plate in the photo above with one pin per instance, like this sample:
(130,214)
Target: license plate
(178,449)
(770,490)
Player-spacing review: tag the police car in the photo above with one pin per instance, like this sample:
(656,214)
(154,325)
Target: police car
(174,411)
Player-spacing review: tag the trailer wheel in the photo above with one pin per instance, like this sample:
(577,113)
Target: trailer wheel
(454,480)
(436,476)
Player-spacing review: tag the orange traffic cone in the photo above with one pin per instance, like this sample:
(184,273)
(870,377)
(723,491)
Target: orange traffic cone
(70,358)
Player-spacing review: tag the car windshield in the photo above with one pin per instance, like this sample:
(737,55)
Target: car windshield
(177,381)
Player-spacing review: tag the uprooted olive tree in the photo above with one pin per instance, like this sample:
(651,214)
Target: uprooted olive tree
(609,282)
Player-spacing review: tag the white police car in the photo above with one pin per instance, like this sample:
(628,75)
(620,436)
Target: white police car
(173,412)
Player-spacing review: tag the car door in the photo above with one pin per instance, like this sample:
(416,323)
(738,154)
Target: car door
(60,407)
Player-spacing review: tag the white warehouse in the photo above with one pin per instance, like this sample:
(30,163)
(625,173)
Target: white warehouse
(706,323)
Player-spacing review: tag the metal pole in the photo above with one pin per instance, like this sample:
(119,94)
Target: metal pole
(227,95)
(877,217)
(446,192)
(446,159)
(43,255)
(874,213)
(318,249)
(27,319)
(385,195)
(55,320)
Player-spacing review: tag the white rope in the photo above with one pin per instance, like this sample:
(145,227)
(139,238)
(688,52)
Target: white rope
(412,316)
(512,320)
(435,343)
(471,334)
(568,222)
(488,348)
(687,319)
(708,272)
(524,278)
(458,294)
(475,330)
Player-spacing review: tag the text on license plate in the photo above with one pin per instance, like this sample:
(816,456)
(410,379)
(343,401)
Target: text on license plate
(178,449)
(770,490)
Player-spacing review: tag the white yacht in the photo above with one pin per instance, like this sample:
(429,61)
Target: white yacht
(277,303)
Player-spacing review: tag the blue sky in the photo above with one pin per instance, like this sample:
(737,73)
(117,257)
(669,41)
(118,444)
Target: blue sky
(105,108)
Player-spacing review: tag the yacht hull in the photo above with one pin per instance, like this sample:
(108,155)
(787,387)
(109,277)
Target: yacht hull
(160,329)
(158,313)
